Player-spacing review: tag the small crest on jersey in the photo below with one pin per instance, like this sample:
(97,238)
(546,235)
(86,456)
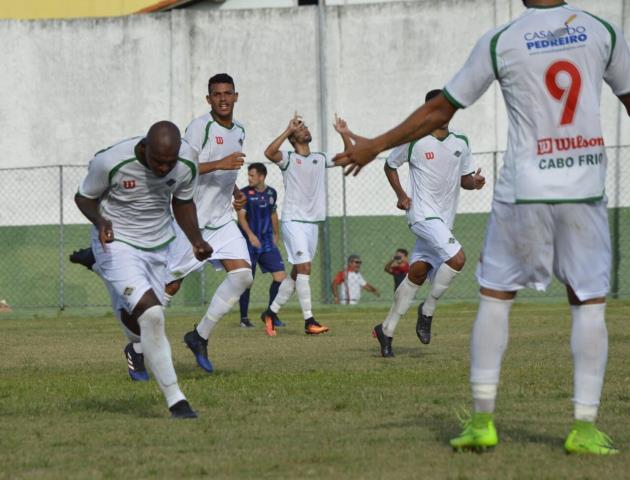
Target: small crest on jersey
(128,291)
(171,182)
(270,200)
(219,140)
(429,155)
(314,160)
(129,184)
(458,153)
(451,240)
(250,192)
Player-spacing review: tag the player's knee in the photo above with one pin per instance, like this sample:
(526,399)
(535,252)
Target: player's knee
(458,261)
(242,278)
(173,287)
(152,317)
(304,268)
(418,272)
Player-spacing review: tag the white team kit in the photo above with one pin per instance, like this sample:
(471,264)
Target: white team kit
(350,288)
(555,164)
(304,179)
(213,198)
(137,202)
(435,170)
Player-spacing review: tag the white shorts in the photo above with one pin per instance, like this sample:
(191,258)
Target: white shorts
(300,241)
(227,243)
(129,272)
(526,242)
(435,244)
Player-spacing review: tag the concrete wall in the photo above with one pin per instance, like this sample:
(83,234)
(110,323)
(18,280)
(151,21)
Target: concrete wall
(72,87)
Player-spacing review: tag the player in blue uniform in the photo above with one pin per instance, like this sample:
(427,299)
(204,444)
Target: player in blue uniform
(259,223)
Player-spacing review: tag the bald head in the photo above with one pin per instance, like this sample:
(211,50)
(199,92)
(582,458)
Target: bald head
(161,148)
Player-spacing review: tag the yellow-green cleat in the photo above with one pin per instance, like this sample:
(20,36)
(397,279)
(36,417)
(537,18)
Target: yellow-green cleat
(479,433)
(585,438)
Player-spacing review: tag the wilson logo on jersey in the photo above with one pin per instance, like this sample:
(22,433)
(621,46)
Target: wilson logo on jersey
(298,161)
(219,140)
(429,155)
(546,145)
(129,184)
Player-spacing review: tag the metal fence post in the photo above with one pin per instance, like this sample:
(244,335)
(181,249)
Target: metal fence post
(615,230)
(202,287)
(61,242)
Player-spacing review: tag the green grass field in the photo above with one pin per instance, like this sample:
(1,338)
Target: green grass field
(295,406)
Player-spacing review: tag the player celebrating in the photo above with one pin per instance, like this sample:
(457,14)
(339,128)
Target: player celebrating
(549,210)
(303,173)
(260,226)
(219,139)
(127,196)
(438,165)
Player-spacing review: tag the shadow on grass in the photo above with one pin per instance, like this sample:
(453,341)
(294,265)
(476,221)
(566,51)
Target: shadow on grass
(136,407)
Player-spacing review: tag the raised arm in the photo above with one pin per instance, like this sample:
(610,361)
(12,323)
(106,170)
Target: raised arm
(272,152)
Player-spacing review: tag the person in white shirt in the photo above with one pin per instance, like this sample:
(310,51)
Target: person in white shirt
(304,176)
(128,194)
(439,164)
(348,283)
(549,211)
(218,138)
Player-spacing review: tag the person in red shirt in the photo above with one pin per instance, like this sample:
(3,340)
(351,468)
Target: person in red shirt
(398,266)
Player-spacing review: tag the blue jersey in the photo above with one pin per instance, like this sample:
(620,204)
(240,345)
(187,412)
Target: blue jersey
(259,207)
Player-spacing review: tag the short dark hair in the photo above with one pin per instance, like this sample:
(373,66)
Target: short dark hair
(219,78)
(403,250)
(259,167)
(432,94)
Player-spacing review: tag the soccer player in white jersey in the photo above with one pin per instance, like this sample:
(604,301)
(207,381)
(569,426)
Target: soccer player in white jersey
(439,164)
(127,195)
(218,139)
(303,173)
(549,211)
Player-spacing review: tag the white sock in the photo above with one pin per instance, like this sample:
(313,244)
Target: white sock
(405,293)
(487,345)
(285,290)
(442,280)
(303,288)
(167,299)
(225,296)
(137,347)
(589,344)
(133,338)
(157,353)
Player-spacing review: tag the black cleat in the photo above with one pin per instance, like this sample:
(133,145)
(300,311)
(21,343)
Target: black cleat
(182,409)
(245,323)
(135,364)
(384,341)
(423,326)
(199,346)
(83,256)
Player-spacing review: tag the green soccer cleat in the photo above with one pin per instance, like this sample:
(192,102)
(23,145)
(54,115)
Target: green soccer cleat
(479,434)
(585,438)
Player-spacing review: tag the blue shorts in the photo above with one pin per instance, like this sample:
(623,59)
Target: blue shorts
(270,261)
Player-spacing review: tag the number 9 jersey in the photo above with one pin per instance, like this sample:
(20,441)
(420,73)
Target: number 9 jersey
(550,63)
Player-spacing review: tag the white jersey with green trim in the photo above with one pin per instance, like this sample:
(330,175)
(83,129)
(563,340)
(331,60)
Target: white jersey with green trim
(133,198)
(435,170)
(304,180)
(214,193)
(550,63)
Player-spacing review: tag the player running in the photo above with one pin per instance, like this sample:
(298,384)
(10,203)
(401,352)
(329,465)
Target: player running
(258,221)
(304,174)
(127,195)
(439,165)
(219,140)
(549,210)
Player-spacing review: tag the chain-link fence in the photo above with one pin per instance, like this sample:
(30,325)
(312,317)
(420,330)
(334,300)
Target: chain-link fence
(40,226)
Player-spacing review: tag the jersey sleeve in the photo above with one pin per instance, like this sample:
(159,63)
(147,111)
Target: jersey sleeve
(398,156)
(96,181)
(274,196)
(284,162)
(617,72)
(329,156)
(194,135)
(474,78)
(186,188)
(467,162)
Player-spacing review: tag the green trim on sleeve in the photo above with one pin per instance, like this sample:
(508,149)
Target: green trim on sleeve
(463,137)
(561,200)
(114,170)
(288,162)
(410,150)
(451,99)
(189,164)
(205,138)
(146,249)
(493,51)
(613,36)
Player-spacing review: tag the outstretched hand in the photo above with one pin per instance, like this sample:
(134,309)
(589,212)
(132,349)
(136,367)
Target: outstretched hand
(341,126)
(356,157)
(295,123)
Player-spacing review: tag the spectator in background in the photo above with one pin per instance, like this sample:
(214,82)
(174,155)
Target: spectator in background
(348,283)
(398,266)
